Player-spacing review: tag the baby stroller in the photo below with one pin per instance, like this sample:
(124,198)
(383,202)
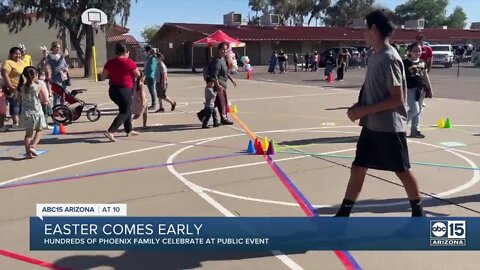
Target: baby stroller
(65,113)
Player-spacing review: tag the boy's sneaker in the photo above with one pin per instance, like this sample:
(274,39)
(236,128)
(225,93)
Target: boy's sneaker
(226,122)
(109,136)
(160,110)
(205,126)
(417,135)
(4,129)
(216,124)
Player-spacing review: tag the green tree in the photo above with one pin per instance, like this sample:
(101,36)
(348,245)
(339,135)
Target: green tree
(4,11)
(433,11)
(64,15)
(319,8)
(149,32)
(344,11)
(458,19)
(258,5)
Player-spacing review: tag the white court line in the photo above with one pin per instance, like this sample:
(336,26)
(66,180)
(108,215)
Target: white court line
(473,181)
(262,162)
(280,97)
(239,166)
(201,192)
(100,158)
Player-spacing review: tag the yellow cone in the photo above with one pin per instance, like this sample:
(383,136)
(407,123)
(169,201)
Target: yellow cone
(234,110)
(441,123)
(265,143)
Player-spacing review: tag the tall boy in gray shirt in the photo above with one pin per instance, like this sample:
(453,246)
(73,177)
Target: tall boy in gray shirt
(382,112)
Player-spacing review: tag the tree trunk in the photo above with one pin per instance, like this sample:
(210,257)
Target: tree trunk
(87,64)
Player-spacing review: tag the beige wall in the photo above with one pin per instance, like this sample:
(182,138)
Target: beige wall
(37,34)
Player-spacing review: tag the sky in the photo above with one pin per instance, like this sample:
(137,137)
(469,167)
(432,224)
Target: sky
(156,12)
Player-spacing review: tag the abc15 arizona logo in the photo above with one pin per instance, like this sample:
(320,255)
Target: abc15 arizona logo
(448,233)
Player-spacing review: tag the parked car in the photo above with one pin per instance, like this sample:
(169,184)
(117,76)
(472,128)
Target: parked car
(464,51)
(443,55)
(476,56)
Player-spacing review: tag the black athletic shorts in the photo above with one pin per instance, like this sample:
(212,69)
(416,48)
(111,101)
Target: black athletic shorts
(387,151)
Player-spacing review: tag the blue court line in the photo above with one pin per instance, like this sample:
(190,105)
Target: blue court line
(441,165)
(114,171)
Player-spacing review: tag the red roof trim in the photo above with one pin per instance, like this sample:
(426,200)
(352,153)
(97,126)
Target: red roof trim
(291,33)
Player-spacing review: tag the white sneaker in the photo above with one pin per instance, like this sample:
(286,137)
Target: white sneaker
(110,136)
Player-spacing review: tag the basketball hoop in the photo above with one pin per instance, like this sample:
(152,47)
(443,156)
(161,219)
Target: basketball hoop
(95,25)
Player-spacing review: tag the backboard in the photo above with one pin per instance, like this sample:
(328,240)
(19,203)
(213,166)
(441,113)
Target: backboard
(94,16)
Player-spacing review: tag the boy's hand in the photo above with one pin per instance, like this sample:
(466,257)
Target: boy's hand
(356,112)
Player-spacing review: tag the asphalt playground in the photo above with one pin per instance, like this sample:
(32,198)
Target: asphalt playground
(178,169)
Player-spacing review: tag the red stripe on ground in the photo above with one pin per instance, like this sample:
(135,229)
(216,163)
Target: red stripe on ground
(22,258)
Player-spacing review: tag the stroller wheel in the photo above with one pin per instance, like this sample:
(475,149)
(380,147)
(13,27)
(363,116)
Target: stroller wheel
(93,114)
(62,114)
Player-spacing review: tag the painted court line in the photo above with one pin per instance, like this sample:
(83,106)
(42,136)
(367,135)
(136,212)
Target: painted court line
(261,162)
(33,261)
(3,183)
(115,171)
(201,192)
(344,256)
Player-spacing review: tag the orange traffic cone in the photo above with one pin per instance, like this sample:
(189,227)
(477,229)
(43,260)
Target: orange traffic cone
(62,129)
(330,77)
(228,109)
(248,74)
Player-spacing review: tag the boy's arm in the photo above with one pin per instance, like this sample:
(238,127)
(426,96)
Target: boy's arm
(428,85)
(396,98)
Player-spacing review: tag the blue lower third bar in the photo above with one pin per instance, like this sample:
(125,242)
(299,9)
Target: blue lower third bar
(253,234)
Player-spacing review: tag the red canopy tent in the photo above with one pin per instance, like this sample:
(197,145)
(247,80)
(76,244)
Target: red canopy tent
(216,38)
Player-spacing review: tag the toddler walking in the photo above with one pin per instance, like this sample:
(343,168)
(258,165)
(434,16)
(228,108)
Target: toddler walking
(32,118)
(140,106)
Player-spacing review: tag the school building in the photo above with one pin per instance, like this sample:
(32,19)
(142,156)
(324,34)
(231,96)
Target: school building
(175,39)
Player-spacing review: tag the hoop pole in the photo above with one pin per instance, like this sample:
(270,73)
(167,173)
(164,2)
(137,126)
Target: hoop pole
(94,54)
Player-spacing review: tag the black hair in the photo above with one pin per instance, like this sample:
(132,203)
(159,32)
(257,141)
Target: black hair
(413,45)
(221,44)
(381,20)
(41,71)
(27,77)
(209,79)
(120,49)
(148,48)
(160,56)
(13,50)
(137,81)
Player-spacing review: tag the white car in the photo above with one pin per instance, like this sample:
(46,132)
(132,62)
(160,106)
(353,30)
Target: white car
(442,55)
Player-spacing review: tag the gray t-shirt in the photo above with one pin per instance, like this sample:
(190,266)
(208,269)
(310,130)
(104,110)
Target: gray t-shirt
(161,68)
(385,70)
(218,68)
